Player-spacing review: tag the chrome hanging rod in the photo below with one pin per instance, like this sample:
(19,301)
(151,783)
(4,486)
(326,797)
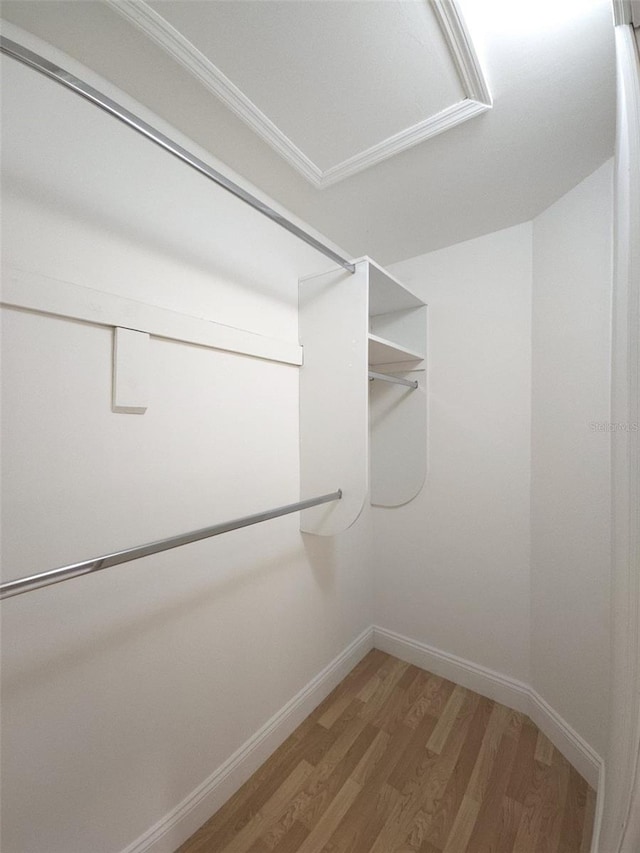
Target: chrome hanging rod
(65,78)
(87,567)
(395,379)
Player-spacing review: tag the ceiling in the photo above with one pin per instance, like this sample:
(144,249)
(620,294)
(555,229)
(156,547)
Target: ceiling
(392,126)
(329,110)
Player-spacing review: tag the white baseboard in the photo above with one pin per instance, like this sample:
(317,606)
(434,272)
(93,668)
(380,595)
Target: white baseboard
(182,821)
(574,748)
(501,688)
(487,682)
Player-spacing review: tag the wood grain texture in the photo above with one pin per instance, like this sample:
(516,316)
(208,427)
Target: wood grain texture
(397,760)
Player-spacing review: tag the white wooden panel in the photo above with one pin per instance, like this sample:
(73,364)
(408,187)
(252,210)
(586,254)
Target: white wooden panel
(333,397)
(386,293)
(383,351)
(47,295)
(130,371)
(409,327)
(398,427)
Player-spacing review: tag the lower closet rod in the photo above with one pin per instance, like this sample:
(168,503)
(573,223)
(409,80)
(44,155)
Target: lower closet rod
(64,573)
(70,81)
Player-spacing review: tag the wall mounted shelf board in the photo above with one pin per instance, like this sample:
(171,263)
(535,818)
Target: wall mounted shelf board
(383,351)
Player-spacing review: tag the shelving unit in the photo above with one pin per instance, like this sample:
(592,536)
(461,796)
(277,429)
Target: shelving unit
(397,320)
(397,415)
(349,325)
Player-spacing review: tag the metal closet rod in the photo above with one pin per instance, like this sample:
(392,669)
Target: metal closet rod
(87,567)
(410,383)
(70,81)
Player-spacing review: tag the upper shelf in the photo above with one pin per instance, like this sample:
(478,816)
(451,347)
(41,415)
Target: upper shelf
(397,320)
(388,295)
(383,351)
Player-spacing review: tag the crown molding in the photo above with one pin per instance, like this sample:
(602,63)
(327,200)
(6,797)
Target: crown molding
(172,42)
(622,12)
(462,51)
(432,126)
(463,55)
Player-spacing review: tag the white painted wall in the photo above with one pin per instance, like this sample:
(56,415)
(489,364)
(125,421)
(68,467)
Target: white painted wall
(124,691)
(503,559)
(570,488)
(452,566)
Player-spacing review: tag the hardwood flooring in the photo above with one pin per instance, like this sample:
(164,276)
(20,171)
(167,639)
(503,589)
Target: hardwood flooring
(397,760)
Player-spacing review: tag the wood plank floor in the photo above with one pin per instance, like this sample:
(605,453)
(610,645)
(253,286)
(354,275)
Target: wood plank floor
(397,760)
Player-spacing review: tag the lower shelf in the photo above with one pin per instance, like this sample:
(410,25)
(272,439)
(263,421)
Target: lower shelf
(382,351)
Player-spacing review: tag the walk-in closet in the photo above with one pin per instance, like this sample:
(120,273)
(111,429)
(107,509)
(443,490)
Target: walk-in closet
(320,413)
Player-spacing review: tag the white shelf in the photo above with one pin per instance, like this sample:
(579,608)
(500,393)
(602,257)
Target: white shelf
(383,351)
(387,294)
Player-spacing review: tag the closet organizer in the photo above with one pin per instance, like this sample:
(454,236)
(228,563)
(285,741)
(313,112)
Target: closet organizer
(362,378)
(363,393)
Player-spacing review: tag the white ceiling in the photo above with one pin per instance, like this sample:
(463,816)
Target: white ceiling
(330,110)
(332,107)
(293,54)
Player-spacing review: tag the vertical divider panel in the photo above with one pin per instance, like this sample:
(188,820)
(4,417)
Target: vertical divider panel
(398,424)
(334,434)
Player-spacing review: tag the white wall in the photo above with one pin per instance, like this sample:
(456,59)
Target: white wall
(503,559)
(122,692)
(452,566)
(570,488)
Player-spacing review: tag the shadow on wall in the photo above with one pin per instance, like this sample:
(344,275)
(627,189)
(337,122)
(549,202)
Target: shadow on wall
(52,666)
(323,559)
(225,264)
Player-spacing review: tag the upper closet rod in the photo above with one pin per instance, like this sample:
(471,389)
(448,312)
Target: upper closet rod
(98,563)
(386,377)
(39,63)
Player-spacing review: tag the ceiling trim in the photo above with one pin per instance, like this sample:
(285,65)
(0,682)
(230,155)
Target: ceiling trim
(432,126)
(193,60)
(462,50)
(463,54)
(622,12)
